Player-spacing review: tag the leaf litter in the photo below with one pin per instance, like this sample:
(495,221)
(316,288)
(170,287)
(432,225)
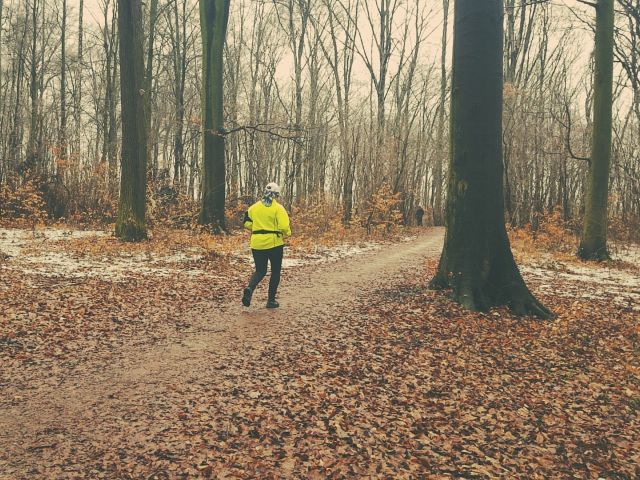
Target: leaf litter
(387,381)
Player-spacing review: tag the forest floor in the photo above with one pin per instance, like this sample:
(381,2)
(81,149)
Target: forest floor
(138,361)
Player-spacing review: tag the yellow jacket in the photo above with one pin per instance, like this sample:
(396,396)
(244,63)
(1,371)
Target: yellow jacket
(272,219)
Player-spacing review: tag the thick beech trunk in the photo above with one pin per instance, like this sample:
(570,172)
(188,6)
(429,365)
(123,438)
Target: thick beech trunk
(131,225)
(593,245)
(214,16)
(476,262)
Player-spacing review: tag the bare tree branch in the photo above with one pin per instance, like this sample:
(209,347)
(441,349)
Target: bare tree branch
(567,127)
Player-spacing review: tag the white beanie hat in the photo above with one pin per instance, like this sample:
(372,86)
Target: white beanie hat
(272,187)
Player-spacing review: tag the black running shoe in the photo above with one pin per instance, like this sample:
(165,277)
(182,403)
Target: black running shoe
(272,304)
(246,296)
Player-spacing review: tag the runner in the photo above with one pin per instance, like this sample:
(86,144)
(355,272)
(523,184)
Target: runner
(269,225)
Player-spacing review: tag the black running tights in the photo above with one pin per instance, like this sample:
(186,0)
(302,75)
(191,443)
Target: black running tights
(260,258)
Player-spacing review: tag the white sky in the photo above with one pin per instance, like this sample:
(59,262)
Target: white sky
(431,47)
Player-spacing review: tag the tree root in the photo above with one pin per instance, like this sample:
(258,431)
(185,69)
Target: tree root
(517,298)
(439,282)
(600,255)
(530,306)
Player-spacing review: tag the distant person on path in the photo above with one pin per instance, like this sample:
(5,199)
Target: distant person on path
(269,225)
(419,215)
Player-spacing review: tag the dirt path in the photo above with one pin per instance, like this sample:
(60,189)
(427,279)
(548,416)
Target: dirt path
(87,420)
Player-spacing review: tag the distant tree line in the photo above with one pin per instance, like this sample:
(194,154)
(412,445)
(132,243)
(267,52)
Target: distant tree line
(333,99)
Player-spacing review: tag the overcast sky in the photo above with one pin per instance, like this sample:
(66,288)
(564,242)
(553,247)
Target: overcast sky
(431,48)
(560,7)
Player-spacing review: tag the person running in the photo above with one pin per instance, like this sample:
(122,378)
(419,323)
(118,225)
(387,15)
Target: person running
(269,225)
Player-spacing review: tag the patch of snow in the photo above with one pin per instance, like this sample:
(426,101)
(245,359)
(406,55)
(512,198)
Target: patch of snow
(13,242)
(294,262)
(343,251)
(56,264)
(627,253)
(322,254)
(602,282)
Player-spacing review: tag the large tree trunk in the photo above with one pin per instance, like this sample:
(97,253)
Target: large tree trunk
(476,262)
(130,225)
(593,245)
(214,16)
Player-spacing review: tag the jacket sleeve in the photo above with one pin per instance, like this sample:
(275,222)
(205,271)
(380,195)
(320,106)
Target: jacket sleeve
(283,222)
(248,223)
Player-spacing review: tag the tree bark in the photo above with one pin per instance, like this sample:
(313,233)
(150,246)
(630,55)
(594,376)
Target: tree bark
(77,111)
(439,160)
(16,134)
(3,161)
(593,245)
(148,78)
(1,16)
(131,225)
(109,119)
(62,134)
(179,56)
(214,16)
(33,152)
(476,262)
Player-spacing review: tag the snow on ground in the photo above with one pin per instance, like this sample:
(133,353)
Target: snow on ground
(325,254)
(293,258)
(26,251)
(113,268)
(590,280)
(14,240)
(627,253)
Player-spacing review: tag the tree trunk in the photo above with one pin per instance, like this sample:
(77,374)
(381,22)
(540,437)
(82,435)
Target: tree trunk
(131,225)
(4,165)
(78,97)
(297,38)
(33,153)
(110,141)
(593,245)
(341,62)
(180,47)
(1,12)
(148,77)
(16,134)
(476,262)
(62,134)
(437,169)
(214,16)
